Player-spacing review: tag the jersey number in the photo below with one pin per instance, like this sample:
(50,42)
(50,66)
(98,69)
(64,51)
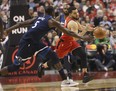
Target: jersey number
(38,21)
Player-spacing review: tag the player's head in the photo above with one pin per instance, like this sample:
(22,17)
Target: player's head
(65,8)
(73,12)
(49,10)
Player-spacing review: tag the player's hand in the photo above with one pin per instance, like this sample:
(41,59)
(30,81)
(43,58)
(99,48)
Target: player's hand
(89,28)
(88,38)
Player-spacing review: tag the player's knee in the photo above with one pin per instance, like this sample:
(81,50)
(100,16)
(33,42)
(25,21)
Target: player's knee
(58,66)
(79,52)
(53,56)
(51,53)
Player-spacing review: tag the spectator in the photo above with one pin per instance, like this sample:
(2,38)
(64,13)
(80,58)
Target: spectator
(98,18)
(98,4)
(40,9)
(86,6)
(77,5)
(114,23)
(61,18)
(31,11)
(106,22)
(32,4)
(5,6)
(5,21)
(104,58)
(106,2)
(113,41)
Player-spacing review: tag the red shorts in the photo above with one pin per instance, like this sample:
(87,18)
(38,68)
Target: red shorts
(65,47)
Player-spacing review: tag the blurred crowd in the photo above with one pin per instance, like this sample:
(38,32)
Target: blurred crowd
(91,13)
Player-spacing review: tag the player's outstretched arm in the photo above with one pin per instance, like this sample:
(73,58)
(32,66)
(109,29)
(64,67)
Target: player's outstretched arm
(20,24)
(85,28)
(53,23)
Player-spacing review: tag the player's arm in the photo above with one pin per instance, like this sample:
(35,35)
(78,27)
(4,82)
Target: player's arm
(53,23)
(73,26)
(85,28)
(20,24)
(82,28)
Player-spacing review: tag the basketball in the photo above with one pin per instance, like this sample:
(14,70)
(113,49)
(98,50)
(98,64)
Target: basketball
(99,33)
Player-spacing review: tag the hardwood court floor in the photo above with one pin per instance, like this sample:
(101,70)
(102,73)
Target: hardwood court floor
(103,81)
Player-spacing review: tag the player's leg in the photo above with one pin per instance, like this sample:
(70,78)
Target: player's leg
(81,53)
(16,65)
(24,52)
(49,54)
(67,64)
(11,68)
(57,64)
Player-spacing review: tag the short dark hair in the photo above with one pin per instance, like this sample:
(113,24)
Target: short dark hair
(71,9)
(49,10)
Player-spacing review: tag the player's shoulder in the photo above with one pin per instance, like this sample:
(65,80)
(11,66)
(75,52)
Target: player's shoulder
(72,23)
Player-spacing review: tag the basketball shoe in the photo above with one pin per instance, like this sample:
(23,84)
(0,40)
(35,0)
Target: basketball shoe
(40,70)
(87,78)
(69,82)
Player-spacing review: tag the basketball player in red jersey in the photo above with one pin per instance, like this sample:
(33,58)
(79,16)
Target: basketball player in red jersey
(68,44)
